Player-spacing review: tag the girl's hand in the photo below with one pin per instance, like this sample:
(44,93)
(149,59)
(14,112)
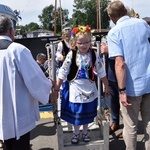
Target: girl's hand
(107,90)
(62,58)
(104,48)
(53,96)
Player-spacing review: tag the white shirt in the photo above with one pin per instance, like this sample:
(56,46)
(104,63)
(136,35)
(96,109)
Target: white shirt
(22,85)
(60,49)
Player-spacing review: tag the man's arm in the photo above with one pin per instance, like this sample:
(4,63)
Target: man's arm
(120,68)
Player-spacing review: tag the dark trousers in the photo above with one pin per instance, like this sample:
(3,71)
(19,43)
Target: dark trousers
(114,102)
(22,144)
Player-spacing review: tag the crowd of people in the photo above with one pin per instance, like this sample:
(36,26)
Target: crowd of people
(126,80)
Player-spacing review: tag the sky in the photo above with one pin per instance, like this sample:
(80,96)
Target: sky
(30,9)
(140,6)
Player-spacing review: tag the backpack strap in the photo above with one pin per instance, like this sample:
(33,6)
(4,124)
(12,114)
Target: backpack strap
(4,44)
(73,67)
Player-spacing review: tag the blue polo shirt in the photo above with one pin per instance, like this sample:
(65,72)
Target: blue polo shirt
(129,39)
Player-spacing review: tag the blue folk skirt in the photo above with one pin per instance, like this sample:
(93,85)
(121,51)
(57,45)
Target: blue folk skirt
(77,113)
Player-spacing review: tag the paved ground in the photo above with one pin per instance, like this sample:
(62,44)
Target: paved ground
(118,144)
(44,136)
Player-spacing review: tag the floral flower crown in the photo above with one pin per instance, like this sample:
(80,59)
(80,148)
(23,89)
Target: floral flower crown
(80,29)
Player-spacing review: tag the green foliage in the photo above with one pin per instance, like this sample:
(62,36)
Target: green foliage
(47,18)
(31,26)
(85,12)
(23,30)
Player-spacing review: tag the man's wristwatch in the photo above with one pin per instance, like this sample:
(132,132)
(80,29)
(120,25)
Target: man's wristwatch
(123,90)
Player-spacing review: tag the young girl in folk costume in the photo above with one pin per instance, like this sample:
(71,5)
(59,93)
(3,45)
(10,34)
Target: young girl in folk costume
(78,68)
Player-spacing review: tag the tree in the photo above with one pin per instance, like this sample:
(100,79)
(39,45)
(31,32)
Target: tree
(31,27)
(85,12)
(23,30)
(47,18)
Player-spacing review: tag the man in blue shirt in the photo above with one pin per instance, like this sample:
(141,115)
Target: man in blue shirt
(128,44)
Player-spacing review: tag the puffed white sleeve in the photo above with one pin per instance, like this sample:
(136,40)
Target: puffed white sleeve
(59,51)
(65,68)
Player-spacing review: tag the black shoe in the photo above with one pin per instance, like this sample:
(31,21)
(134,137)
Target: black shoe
(86,138)
(75,138)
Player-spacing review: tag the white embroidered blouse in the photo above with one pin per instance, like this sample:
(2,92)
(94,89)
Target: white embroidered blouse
(82,90)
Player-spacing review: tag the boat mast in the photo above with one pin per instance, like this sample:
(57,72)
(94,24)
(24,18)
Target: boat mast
(99,15)
(55,11)
(60,14)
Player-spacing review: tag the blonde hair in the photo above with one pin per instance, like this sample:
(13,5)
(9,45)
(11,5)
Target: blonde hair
(76,32)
